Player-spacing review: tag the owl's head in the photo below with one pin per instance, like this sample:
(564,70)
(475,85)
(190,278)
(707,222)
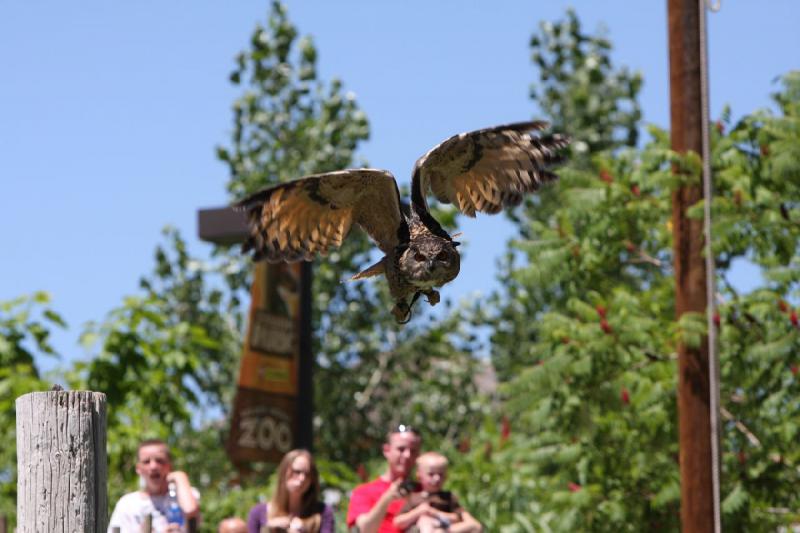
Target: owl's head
(431,260)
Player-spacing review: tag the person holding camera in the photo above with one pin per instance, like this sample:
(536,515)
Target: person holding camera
(374,505)
(430,508)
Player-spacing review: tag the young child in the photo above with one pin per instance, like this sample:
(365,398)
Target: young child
(431,509)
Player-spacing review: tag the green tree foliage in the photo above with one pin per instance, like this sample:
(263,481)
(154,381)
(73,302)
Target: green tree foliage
(583,331)
(160,357)
(25,325)
(288,124)
(758,217)
(580,90)
(590,371)
(585,335)
(173,350)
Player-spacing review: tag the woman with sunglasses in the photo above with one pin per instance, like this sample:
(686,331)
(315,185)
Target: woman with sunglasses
(295,505)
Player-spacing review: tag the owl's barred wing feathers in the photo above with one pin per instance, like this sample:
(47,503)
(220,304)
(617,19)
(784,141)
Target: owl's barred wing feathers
(488,169)
(295,220)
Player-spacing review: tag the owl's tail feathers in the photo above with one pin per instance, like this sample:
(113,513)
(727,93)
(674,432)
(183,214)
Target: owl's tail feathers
(374,270)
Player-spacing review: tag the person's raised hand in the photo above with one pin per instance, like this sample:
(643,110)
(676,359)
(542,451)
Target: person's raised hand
(296,525)
(280,522)
(394,492)
(178,477)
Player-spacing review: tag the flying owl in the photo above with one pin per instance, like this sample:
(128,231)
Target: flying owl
(483,170)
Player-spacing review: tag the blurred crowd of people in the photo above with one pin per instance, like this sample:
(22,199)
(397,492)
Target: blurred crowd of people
(394,502)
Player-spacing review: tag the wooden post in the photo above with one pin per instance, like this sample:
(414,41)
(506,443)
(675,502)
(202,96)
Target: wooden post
(61,462)
(697,502)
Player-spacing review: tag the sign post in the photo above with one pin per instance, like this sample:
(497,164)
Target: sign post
(272,411)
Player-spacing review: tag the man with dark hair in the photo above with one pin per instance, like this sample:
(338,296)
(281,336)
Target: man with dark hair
(374,505)
(157,481)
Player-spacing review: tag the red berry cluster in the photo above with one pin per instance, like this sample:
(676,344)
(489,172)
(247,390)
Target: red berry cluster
(505,429)
(742,457)
(604,325)
(625,396)
(784,308)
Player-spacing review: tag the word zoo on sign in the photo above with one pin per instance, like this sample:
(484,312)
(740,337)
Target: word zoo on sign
(264,431)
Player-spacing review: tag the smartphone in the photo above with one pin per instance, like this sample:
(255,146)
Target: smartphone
(408,486)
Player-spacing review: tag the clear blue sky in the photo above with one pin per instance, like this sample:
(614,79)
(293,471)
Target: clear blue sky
(110,112)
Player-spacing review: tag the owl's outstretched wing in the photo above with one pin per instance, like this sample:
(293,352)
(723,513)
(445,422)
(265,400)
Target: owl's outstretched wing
(487,170)
(295,220)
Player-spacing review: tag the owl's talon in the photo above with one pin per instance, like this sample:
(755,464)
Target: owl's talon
(401,312)
(402,309)
(433,297)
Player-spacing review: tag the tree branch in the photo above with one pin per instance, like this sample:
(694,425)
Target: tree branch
(374,380)
(741,427)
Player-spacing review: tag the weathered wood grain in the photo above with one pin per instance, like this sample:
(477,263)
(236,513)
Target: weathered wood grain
(61,462)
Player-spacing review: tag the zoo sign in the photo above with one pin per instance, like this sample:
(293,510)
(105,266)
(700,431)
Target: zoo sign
(264,424)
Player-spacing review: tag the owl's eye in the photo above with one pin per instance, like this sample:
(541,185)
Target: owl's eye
(441,256)
(419,257)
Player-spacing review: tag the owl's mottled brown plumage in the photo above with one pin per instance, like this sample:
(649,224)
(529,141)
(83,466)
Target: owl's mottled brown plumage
(483,170)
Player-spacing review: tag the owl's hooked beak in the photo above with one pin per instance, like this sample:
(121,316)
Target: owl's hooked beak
(455,244)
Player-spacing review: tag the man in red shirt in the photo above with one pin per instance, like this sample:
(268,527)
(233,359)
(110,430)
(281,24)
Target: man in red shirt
(374,505)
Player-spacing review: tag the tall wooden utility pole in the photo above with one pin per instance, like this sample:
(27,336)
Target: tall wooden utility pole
(697,499)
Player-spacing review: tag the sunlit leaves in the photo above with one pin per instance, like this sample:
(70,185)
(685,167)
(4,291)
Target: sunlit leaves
(585,338)
(580,90)
(370,371)
(25,325)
